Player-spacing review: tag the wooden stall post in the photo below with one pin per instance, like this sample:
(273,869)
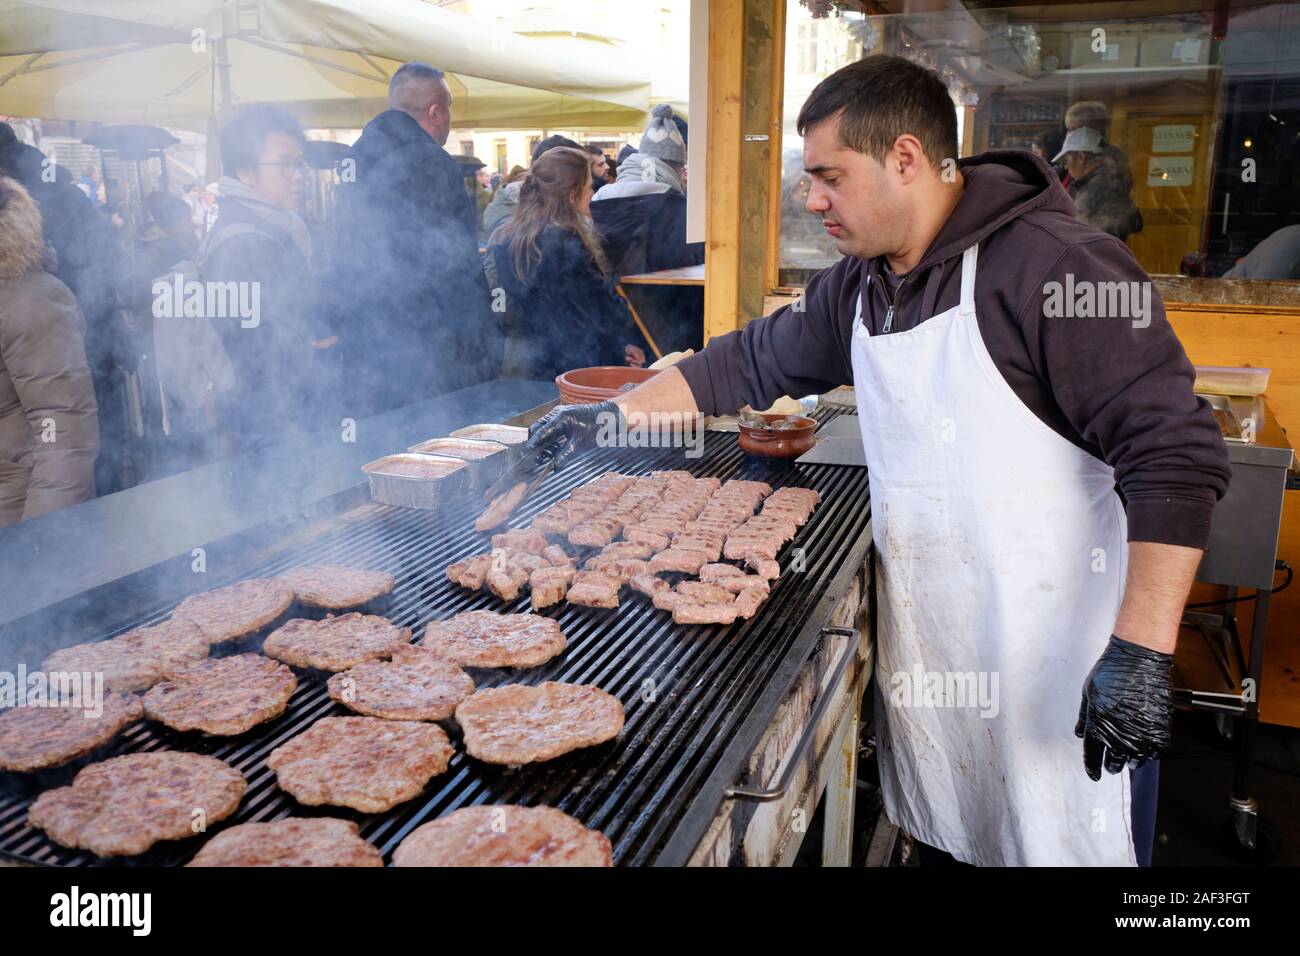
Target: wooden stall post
(743,50)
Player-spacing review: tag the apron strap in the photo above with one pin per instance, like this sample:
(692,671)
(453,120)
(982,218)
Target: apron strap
(968,259)
(857,312)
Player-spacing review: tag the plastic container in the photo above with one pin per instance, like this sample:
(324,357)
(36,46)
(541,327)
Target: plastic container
(1230,380)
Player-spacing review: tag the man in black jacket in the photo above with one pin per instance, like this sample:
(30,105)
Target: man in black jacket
(83,242)
(405,282)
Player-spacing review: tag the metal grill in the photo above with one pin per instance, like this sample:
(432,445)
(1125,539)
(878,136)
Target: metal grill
(696,698)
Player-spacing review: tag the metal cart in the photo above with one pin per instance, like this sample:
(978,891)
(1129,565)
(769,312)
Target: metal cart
(1242,553)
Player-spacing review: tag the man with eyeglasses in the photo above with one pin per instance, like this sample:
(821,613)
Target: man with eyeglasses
(280,354)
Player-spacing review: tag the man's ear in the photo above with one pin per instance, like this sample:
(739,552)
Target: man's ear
(246,176)
(907,158)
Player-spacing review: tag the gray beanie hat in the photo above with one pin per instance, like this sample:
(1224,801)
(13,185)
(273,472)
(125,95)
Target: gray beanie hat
(662,139)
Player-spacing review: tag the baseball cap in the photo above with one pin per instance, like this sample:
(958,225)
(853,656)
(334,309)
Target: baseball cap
(1080,140)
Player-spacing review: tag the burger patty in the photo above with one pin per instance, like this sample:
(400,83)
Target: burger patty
(337,588)
(336,643)
(223,696)
(124,805)
(518,724)
(33,737)
(415,685)
(504,836)
(230,613)
(137,659)
(294,841)
(365,763)
(489,639)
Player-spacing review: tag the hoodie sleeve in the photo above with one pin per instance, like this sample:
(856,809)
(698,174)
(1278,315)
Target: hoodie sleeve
(1126,385)
(800,349)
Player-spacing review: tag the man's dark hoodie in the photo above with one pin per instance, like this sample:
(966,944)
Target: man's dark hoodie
(405,287)
(1119,387)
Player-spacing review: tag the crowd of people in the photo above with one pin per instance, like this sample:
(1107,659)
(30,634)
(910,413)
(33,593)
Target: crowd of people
(240,324)
(414,288)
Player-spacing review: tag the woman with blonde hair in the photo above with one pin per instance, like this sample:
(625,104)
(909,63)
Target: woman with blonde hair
(550,264)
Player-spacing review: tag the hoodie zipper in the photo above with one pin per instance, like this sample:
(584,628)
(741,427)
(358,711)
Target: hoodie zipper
(889,301)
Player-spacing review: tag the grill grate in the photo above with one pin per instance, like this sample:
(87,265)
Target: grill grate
(690,693)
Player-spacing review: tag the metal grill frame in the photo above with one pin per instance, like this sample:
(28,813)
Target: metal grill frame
(659,786)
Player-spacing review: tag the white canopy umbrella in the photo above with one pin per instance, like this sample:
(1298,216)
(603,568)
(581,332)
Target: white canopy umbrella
(181,62)
(575,41)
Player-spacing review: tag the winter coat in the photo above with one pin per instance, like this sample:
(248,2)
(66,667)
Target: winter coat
(404,283)
(502,207)
(49,424)
(1103,198)
(280,379)
(644,230)
(569,315)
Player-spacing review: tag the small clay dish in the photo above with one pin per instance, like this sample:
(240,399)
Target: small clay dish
(779,442)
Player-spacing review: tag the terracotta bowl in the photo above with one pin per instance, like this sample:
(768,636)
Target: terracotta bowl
(583,386)
(789,443)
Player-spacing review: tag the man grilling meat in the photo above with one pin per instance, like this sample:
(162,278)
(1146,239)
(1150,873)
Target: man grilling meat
(1042,481)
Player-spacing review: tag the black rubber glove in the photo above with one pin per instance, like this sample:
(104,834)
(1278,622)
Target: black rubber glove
(1125,715)
(567,429)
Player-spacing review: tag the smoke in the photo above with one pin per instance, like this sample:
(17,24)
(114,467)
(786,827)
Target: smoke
(327,328)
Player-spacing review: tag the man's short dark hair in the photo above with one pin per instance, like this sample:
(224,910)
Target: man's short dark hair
(594,150)
(551,142)
(415,70)
(878,99)
(244,137)
(409,88)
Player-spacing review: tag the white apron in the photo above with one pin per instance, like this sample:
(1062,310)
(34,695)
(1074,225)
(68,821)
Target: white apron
(1002,552)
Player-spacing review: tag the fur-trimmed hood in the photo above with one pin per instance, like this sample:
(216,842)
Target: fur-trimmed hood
(22,241)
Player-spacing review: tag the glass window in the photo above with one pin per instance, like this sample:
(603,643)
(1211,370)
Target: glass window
(1199,110)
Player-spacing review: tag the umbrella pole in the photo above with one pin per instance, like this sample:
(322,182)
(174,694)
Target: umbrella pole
(220,102)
